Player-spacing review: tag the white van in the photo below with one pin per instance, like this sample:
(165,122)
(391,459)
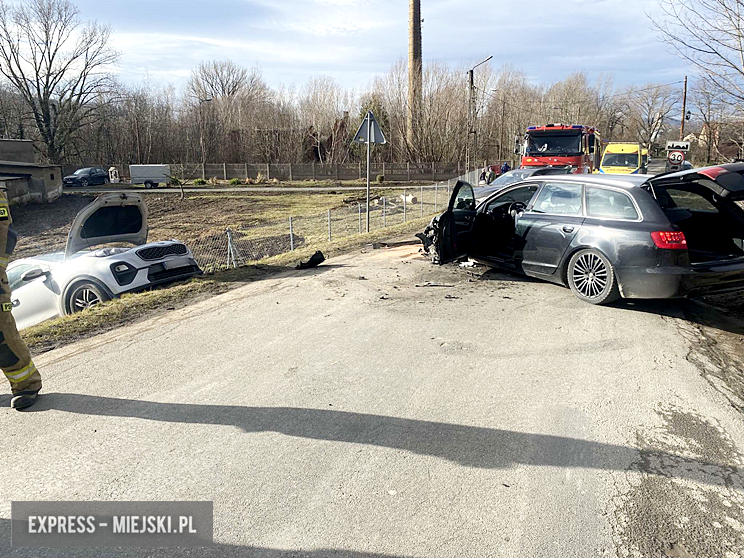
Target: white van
(149,175)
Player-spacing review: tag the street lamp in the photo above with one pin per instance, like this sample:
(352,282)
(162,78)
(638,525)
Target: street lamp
(472,112)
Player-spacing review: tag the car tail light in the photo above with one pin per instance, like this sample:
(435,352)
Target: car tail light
(670,240)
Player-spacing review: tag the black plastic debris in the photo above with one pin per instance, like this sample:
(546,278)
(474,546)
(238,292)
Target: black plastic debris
(314,261)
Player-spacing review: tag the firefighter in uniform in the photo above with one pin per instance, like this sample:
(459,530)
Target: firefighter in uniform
(15,360)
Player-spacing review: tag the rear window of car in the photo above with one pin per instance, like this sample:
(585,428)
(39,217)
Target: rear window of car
(674,198)
(559,199)
(609,204)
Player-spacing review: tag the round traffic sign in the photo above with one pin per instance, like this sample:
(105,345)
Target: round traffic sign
(676,157)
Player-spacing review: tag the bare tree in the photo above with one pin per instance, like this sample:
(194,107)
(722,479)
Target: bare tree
(650,108)
(58,64)
(219,79)
(707,103)
(710,35)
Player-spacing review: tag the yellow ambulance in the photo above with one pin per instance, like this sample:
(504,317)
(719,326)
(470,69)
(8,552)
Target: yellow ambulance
(623,158)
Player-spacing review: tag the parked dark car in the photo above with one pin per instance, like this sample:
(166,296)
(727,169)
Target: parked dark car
(88,176)
(606,237)
(684,165)
(514,176)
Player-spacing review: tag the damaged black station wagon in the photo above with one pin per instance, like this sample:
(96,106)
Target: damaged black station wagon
(605,237)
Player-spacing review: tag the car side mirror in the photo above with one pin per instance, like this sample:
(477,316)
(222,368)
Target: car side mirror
(34,274)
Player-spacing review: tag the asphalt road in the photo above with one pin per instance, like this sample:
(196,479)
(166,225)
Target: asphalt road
(382,407)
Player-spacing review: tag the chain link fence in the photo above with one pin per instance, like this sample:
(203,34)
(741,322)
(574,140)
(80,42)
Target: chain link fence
(242,244)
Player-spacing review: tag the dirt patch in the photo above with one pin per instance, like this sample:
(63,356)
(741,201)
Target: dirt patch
(43,228)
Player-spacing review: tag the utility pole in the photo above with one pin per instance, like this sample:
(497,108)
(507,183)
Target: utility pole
(501,132)
(684,113)
(415,73)
(473,116)
(470,153)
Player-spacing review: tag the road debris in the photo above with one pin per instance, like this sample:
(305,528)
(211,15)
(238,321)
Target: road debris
(428,284)
(314,261)
(469,264)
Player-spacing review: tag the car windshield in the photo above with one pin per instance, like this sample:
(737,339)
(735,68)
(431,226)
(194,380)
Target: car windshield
(82,171)
(510,178)
(554,144)
(628,160)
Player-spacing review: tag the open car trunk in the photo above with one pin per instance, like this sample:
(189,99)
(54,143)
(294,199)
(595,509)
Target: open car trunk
(705,205)
(711,237)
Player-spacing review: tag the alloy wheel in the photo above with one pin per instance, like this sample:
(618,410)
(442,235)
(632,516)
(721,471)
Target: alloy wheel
(84,298)
(590,275)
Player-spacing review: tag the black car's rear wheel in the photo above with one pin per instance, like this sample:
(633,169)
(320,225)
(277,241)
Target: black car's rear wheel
(84,182)
(591,277)
(84,296)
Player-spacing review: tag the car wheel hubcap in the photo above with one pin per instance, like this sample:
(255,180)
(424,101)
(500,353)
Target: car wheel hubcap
(84,299)
(590,275)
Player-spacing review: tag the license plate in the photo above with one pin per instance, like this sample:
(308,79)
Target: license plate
(176,263)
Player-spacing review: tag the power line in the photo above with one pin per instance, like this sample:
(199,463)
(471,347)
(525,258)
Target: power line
(623,94)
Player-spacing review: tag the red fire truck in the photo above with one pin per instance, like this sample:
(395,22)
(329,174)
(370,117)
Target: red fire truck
(559,145)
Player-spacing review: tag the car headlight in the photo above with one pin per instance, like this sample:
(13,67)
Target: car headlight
(123,272)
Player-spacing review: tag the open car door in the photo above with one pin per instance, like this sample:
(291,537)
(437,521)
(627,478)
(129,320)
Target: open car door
(456,224)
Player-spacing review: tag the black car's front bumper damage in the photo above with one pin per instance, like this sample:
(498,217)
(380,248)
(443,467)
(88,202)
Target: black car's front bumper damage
(430,239)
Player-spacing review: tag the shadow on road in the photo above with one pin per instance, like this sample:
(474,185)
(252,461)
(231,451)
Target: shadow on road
(218,550)
(469,446)
(690,310)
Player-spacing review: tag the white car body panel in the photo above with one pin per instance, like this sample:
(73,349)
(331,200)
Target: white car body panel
(146,265)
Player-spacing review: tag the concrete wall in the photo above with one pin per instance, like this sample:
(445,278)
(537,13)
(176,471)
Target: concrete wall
(42,183)
(17,190)
(17,150)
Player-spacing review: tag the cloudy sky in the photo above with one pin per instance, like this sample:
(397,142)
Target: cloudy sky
(353,40)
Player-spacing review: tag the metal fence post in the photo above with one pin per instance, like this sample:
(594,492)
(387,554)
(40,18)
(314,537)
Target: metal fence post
(291,235)
(245,167)
(404,206)
(268,171)
(313,170)
(359,205)
(384,211)
(204,175)
(224,171)
(408,170)
(436,190)
(329,225)
(231,250)
(421,201)
(290,172)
